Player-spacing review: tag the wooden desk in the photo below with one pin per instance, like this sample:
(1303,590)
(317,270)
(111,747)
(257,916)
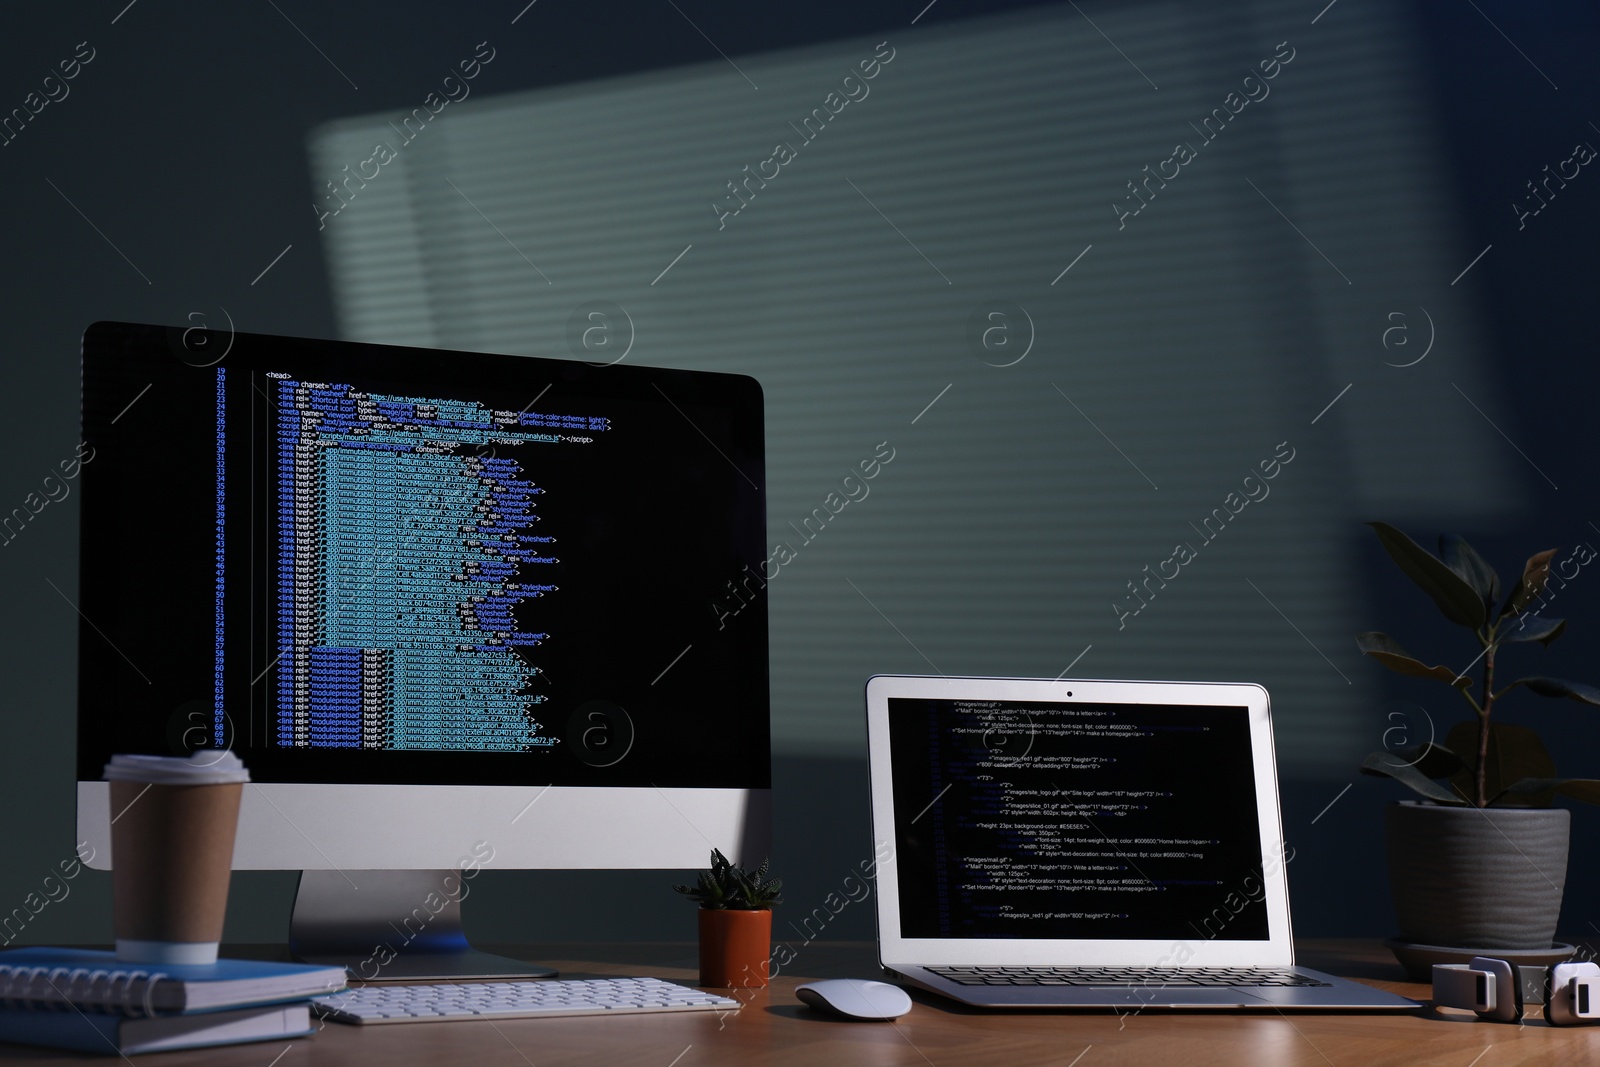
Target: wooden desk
(773,1028)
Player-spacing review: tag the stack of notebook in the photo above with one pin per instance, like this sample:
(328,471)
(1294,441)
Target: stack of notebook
(88,1001)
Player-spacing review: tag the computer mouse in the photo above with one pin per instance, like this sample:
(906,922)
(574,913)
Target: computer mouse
(856,998)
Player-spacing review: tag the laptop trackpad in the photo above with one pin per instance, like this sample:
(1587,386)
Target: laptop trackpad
(1179,997)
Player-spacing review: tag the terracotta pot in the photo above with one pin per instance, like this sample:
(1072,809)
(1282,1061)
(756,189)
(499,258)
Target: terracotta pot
(735,947)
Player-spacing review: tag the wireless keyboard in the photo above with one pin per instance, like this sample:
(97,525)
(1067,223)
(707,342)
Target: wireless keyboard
(513,1000)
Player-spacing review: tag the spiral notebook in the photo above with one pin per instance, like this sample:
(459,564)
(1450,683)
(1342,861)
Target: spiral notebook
(96,981)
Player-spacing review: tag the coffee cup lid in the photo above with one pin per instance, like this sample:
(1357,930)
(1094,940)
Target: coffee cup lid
(202,768)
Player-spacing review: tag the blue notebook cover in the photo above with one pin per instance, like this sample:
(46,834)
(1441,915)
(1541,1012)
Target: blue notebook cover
(97,981)
(112,1035)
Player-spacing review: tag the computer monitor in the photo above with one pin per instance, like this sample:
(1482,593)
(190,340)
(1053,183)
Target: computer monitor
(453,610)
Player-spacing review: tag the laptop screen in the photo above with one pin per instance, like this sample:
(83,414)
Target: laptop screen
(1096,821)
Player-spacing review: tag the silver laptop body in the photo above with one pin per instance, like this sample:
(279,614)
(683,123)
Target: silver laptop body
(1086,844)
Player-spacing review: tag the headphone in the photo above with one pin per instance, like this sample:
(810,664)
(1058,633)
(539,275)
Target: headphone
(1495,989)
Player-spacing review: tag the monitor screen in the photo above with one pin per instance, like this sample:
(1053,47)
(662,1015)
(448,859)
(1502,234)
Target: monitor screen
(362,564)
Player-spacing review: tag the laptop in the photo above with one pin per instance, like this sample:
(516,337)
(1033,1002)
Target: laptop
(1086,844)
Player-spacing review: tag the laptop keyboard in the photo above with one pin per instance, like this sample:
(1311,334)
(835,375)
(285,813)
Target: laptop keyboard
(1122,976)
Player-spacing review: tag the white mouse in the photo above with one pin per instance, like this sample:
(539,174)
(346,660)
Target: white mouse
(856,998)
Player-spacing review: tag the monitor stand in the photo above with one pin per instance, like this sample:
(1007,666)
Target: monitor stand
(389,926)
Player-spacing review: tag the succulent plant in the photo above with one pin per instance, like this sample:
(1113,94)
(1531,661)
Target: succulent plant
(1481,763)
(728,886)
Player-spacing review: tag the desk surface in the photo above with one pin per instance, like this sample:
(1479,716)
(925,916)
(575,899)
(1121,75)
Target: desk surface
(773,1028)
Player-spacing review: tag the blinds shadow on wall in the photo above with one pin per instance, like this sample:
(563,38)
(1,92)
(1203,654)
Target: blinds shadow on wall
(1030,484)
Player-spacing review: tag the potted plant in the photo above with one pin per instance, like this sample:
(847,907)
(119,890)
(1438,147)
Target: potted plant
(1481,861)
(735,922)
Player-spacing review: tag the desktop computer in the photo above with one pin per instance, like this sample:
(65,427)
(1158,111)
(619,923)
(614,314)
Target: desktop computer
(454,611)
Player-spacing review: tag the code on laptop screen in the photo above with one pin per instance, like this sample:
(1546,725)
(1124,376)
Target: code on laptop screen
(1075,821)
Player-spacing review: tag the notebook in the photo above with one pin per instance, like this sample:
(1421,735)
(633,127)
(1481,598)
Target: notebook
(1083,843)
(117,1034)
(95,980)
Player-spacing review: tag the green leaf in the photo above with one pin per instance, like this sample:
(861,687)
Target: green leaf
(1471,567)
(1584,789)
(1433,760)
(1383,763)
(1513,745)
(729,886)
(1460,603)
(1387,651)
(1515,752)
(1526,793)
(1529,587)
(1560,687)
(1534,628)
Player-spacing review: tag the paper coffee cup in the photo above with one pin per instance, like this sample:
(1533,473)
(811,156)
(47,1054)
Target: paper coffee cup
(173,822)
